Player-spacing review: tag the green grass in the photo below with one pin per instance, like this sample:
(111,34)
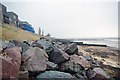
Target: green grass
(8,32)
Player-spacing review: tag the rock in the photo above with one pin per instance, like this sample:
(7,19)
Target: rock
(80,60)
(26,42)
(5,44)
(34,60)
(58,56)
(89,58)
(72,49)
(13,69)
(80,54)
(10,45)
(35,44)
(96,73)
(24,46)
(10,63)
(79,76)
(71,67)
(95,63)
(54,74)
(47,45)
(51,65)
(14,54)
(24,74)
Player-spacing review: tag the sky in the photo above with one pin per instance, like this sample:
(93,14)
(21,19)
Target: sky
(69,18)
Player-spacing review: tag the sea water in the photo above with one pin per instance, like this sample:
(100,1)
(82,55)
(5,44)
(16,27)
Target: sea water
(112,42)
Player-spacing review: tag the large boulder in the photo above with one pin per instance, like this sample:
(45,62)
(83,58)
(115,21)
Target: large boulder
(14,54)
(72,49)
(34,60)
(71,67)
(11,60)
(97,73)
(46,44)
(54,75)
(24,46)
(80,60)
(58,56)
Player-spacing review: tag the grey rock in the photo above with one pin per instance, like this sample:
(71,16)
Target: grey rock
(89,58)
(24,46)
(51,65)
(54,74)
(5,44)
(58,56)
(24,74)
(47,45)
(96,73)
(80,77)
(72,49)
(34,59)
(71,67)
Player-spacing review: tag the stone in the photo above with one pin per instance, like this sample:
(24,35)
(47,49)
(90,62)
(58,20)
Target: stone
(80,60)
(72,49)
(34,60)
(80,77)
(47,45)
(51,65)
(35,44)
(24,46)
(89,58)
(54,74)
(58,56)
(14,54)
(24,74)
(5,44)
(71,67)
(11,61)
(96,73)
(10,45)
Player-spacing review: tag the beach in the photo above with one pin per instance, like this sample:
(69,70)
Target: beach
(108,57)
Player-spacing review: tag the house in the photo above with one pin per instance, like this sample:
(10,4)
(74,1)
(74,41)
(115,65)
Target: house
(26,26)
(3,14)
(13,17)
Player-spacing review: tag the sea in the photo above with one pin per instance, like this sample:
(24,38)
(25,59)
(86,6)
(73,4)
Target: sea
(112,42)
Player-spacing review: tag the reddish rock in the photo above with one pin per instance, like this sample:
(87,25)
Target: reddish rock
(34,59)
(80,60)
(14,54)
(11,63)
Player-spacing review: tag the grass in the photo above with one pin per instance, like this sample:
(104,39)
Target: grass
(8,32)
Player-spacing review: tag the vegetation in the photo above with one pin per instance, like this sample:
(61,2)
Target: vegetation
(8,32)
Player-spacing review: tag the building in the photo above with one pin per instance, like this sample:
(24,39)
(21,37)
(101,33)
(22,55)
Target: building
(26,26)
(3,14)
(13,17)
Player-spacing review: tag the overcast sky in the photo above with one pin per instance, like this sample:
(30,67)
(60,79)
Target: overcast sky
(69,18)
